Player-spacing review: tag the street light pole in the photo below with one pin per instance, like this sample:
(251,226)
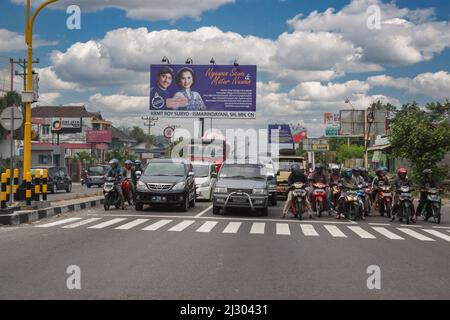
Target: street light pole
(29,40)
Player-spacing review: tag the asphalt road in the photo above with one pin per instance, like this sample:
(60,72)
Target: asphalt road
(77,191)
(166,254)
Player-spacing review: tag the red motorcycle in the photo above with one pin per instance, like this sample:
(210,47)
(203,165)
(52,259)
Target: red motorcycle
(126,190)
(298,203)
(385,200)
(319,196)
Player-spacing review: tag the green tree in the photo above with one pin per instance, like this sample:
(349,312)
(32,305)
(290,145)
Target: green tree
(84,157)
(138,134)
(335,143)
(9,100)
(422,136)
(120,154)
(172,145)
(345,152)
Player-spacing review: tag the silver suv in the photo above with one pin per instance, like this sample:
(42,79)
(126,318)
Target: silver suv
(242,186)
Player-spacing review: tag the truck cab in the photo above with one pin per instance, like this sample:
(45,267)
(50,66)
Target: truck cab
(283,163)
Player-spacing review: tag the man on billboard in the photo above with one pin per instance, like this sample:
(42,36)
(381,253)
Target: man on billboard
(186,79)
(160,93)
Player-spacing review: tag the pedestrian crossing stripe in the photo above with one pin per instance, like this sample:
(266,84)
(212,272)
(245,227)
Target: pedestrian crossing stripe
(257,228)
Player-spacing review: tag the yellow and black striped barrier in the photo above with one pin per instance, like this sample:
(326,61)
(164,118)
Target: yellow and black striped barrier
(16,182)
(44,184)
(3,195)
(28,188)
(8,185)
(37,184)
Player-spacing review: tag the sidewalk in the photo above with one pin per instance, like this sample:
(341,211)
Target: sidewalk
(55,208)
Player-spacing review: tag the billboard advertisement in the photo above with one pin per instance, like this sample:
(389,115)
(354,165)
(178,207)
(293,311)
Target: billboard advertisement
(66,125)
(353,122)
(99,136)
(299,132)
(284,133)
(203,91)
(331,121)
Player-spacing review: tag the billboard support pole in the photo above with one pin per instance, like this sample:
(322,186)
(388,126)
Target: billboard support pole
(202,121)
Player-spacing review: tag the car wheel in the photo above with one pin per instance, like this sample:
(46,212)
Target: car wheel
(106,206)
(273,200)
(88,185)
(139,206)
(216,210)
(192,203)
(53,189)
(69,187)
(185,205)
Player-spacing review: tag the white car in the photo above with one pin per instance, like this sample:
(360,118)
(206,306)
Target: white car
(205,179)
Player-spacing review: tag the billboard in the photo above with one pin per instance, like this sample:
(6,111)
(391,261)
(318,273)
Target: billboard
(331,121)
(66,125)
(284,133)
(99,136)
(203,91)
(299,132)
(353,122)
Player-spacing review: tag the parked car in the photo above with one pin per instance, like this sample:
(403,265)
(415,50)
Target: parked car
(205,179)
(166,182)
(58,178)
(242,186)
(96,175)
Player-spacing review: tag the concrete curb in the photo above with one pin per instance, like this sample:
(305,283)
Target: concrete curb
(27,216)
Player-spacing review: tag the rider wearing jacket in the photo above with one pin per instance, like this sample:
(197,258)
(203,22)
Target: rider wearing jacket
(380,179)
(335,178)
(116,173)
(426,183)
(130,174)
(297,175)
(401,181)
(347,183)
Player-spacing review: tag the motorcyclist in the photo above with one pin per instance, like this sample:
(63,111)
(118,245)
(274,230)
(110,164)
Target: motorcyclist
(365,175)
(335,178)
(380,178)
(130,174)
(348,182)
(116,173)
(297,175)
(357,176)
(426,183)
(318,176)
(138,167)
(401,181)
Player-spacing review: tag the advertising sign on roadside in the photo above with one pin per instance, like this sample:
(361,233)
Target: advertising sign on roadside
(203,91)
(66,125)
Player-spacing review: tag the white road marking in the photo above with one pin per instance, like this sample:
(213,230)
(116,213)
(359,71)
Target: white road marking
(437,234)
(132,224)
(81,223)
(442,228)
(232,227)
(57,223)
(361,232)
(415,234)
(258,228)
(157,225)
(335,231)
(182,225)
(379,224)
(107,223)
(283,229)
(207,226)
(411,225)
(203,212)
(385,232)
(308,230)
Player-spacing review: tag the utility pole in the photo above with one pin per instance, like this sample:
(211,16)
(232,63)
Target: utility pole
(23,64)
(369,119)
(151,122)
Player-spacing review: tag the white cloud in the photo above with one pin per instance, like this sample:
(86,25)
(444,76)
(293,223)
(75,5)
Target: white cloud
(48,81)
(49,98)
(13,41)
(152,10)
(119,104)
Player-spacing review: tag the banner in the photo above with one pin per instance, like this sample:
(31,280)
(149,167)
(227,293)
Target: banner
(203,91)
(298,132)
(332,122)
(99,136)
(66,125)
(284,133)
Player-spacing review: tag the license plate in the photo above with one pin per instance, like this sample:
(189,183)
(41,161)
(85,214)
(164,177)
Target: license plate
(239,200)
(158,198)
(406,195)
(281,189)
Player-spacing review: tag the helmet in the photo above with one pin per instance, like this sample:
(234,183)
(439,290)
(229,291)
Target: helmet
(295,167)
(319,167)
(402,172)
(137,162)
(356,171)
(363,170)
(128,163)
(426,172)
(380,171)
(335,168)
(348,173)
(114,163)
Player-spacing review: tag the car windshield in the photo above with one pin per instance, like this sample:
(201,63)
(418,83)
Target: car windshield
(242,171)
(97,170)
(164,169)
(201,170)
(285,165)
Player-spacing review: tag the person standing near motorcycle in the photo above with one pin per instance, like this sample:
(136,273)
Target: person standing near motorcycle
(130,174)
(116,173)
(297,175)
(335,178)
(426,183)
(347,183)
(401,181)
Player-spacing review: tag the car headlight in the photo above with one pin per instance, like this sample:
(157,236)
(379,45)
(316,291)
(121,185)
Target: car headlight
(179,186)
(204,184)
(220,190)
(140,186)
(260,191)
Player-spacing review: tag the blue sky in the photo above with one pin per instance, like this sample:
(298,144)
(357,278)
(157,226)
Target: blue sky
(316,73)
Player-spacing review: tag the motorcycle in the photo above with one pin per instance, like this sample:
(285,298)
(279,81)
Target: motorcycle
(138,174)
(385,200)
(298,204)
(111,195)
(406,210)
(353,205)
(364,193)
(126,190)
(432,206)
(319,197)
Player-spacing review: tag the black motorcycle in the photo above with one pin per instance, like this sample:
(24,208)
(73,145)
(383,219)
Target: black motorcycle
(111,195)
(406,210)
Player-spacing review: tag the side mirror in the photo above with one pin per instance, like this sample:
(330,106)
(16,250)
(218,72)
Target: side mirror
(191,174)
(270,178)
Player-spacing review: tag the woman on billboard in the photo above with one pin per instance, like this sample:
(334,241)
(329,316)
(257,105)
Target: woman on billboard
(185,79)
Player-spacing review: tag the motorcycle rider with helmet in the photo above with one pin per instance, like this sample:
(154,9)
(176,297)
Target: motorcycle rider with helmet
(357,176)
(116,173)
(130,174)
(137,165)
(347,183)
(297,175)
(401,181)
(380,177)
(426,183)
(365,175)
(318,176)
(335,178)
